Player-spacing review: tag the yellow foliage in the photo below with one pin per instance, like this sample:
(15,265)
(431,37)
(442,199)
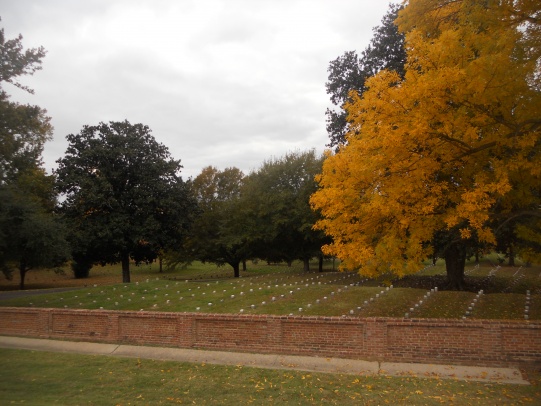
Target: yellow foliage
(454,144)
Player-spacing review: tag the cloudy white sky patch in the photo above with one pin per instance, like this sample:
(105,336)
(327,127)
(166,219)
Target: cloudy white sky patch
(223,83)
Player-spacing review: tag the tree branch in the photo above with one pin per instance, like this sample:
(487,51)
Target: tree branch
(533,213)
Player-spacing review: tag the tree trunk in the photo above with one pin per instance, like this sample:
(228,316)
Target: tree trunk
(455,262)
(511,256)
(320,267)
(477,257)
(160,261)
(22,273)
(244,265)
(236,269)
(306,264)
(125,267)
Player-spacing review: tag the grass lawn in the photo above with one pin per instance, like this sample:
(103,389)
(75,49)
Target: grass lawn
(283,290)
(111,274)
(41,378)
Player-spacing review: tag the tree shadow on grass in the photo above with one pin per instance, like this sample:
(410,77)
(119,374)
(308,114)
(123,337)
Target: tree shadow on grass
(472,284)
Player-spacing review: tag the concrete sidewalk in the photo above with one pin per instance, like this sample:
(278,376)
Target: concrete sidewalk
(269,361)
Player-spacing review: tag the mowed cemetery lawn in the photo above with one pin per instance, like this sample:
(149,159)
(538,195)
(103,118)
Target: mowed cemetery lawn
(495,292)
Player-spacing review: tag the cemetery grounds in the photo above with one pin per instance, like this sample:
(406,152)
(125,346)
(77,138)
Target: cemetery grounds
(496,291)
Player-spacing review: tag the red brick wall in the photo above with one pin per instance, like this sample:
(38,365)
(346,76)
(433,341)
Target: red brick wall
(443,341)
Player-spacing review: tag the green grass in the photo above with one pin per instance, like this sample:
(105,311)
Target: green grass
(42,378)
(283,290)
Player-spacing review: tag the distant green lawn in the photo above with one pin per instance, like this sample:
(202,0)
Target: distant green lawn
(283,290)
(42,378)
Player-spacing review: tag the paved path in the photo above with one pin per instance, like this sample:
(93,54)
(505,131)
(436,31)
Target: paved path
(302,363)
(12,294)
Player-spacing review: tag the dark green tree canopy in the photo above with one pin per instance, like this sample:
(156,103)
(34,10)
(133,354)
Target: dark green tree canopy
(123,194)
(276,199)
(31,236)
(23,128)
(349,71)
(218,234)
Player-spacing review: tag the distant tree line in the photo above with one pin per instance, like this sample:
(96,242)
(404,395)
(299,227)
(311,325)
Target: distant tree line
(264,215)
(117,196)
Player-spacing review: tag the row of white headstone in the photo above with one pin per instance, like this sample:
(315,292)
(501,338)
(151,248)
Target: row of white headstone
(469,311)
(517,277)
(527,306)
(421,301)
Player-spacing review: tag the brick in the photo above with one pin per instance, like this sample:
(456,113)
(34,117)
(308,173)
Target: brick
(470,342)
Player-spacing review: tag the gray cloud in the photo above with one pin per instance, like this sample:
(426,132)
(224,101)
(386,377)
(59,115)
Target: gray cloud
(224,83)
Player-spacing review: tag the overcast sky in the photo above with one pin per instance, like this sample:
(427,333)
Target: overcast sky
(219,82)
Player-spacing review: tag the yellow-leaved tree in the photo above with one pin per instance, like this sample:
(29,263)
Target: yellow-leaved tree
(449,157)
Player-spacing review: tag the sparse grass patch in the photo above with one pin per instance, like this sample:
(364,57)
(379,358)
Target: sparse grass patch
(393,304)
(445,304)
(501,306)
(352,298)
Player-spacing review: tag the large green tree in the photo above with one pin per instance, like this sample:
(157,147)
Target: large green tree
(23,128)
(30,234)
(276,200)
(123,195)
(218,233)
(349,72)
